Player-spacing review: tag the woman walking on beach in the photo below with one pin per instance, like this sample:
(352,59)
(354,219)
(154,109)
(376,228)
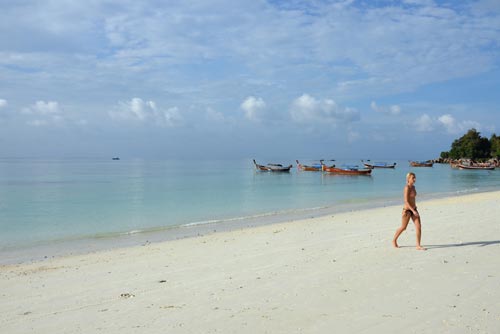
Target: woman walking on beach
(409,211)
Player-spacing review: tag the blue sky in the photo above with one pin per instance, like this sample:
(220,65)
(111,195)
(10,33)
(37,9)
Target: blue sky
(242,79)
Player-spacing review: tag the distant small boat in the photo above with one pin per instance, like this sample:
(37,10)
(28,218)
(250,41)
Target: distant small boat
(474,167)
(346,170)
(427,163)
(272,167)
(311,168)
(115,158)
(378,164)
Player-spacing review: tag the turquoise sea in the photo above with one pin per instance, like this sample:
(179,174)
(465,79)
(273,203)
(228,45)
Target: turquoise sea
(77,203)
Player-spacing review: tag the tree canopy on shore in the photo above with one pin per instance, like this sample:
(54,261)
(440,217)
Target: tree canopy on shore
(473,146)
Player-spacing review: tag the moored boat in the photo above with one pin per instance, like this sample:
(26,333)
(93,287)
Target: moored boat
(373,165)
(476,167)
(473,165)
(272,167)
(311,168)
(427,163)
(346,170)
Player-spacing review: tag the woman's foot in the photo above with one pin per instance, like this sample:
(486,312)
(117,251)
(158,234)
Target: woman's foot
(421,248)
(395,244)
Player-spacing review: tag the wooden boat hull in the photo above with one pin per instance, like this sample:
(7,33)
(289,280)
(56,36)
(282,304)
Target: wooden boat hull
(378,165)
(460,166)
(272,167)
(306,168)
(421,164)
(346,171)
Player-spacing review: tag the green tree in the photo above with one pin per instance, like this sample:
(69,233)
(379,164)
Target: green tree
(445,155)
(495,146)
(472,146)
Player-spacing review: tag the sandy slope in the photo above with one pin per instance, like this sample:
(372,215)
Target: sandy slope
(335,274)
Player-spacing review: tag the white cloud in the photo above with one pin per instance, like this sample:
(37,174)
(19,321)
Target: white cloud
(391,110)
(187,52)
(43,113)
(426,123)
(254,108)
(448,122)
(453,126)
(146,112)
(43,108)
(3,103)
(49,113)
(307,109)
(141,109)
(388,46)
(170,117)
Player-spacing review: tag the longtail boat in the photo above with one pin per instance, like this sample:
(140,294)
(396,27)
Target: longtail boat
(272,167)
(427,163)
(476,167)
(346,170)
(311,168)
(378,164)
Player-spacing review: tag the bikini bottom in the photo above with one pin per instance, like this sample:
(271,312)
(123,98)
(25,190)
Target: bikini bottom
(408,212)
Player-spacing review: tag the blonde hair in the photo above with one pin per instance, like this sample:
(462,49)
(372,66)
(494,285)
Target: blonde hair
(410,174)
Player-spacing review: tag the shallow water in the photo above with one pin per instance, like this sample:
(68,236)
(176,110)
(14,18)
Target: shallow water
(47,201)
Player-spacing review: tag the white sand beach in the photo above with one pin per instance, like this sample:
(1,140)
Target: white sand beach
(333,274)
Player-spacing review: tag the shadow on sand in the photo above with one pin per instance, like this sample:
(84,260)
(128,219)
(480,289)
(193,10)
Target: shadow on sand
(473,243)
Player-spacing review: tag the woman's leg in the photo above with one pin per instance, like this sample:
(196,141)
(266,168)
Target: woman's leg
(418,230)
(404,223)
